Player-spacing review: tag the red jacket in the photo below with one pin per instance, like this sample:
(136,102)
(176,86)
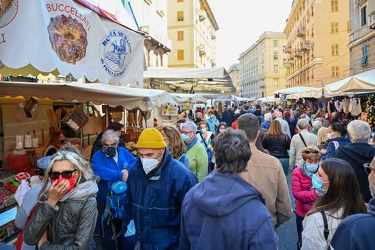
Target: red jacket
(235,125)
(303,192)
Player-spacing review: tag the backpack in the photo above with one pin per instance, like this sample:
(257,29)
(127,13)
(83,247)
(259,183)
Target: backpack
(114,208)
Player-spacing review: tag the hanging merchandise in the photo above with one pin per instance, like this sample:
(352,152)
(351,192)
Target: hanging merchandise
(371,110)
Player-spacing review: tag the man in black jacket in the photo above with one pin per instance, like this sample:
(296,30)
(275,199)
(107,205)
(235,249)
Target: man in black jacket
(228,116)
(116,126)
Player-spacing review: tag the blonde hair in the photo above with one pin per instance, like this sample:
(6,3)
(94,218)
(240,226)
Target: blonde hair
(322,135)
(311,153)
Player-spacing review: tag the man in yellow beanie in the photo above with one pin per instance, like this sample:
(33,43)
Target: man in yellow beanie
(156,188)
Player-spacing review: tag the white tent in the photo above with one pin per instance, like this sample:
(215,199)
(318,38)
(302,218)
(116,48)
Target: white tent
(193,98)
(294,90)
(268,99)
(357,84)
(310,93)
(130,98)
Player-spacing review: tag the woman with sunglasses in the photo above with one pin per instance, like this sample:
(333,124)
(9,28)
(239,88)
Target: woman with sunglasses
(66,213)
(336,185)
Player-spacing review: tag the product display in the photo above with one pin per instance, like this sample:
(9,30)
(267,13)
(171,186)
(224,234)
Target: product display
(68,38)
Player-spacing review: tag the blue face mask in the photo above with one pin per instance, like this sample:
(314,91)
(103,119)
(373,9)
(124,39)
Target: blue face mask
(212,117)
(313,168)
(185,137)
(318,184)
(203,130)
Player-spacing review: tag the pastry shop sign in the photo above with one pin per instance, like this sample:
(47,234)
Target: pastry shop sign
(63,37)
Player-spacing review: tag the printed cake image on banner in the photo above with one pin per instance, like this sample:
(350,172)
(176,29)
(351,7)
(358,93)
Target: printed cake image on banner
(68,38)
(8,10)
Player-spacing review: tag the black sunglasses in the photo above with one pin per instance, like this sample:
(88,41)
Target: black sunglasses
(65,174)
(367,168)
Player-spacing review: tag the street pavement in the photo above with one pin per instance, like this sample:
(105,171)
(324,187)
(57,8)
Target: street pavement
(288,230)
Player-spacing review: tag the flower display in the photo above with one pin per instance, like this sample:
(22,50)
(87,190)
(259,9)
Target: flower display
(371,110)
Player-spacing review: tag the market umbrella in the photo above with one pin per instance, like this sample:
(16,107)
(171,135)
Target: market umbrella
(294,90)
(357,84)
(63,37)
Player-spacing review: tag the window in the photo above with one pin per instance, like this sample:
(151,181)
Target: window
(334,6)
(275,68)
(276,81)
(334,27)
(335,71)
(364,55)
(180,1)
(180,54)
(275,56)
(180,35)
(180,16)
(335,49)
(363,16)
(275,43)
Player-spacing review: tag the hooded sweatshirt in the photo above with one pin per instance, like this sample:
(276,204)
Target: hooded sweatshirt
(352,234)
(356,154)
(225,212)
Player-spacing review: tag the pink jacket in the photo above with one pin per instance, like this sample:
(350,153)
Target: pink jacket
(303,192)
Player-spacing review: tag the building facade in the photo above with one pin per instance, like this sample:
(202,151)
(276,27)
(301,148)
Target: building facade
(362,36)
(317,35)
(192,29)
(234,73)
(261,66)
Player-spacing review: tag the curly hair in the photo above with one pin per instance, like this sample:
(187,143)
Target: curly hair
(232,151)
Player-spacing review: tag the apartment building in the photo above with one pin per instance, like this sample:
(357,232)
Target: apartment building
(362,36)
(317,38)
(151,16)
(261,66)
(192,29)
(234,73)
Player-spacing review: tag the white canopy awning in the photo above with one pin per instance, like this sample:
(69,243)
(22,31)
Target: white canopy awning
(181,98)
(357,84)
(130,98)
(294,90)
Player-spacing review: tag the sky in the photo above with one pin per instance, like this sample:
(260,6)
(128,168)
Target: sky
(242,22)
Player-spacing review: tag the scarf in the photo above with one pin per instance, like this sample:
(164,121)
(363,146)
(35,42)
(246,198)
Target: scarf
(82,190)
(192,143)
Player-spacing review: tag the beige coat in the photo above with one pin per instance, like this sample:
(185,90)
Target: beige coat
(296,147)
(265,173)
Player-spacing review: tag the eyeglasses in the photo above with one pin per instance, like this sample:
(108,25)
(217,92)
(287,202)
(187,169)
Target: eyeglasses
(368,168)
(186,132)
(166,139)
(65,174)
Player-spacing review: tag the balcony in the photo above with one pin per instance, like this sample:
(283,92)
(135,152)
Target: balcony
(371,20)
(202,49)
(290,60)
(305,45)
(301,32)
(202,15)
(298,53)
(288,49)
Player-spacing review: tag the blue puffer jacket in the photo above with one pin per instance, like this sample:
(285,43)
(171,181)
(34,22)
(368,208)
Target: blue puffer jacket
(108,170)
(155,203)
(331,148)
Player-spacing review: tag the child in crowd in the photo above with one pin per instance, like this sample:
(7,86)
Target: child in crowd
(302,188)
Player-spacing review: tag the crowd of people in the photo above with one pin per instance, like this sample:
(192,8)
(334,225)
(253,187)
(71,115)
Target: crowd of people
(211,181)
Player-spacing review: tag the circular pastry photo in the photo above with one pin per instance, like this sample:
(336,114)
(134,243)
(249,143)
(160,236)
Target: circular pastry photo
(68,38)
(8,11)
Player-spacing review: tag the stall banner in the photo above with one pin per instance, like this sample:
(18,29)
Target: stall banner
(62,37)
(170,110)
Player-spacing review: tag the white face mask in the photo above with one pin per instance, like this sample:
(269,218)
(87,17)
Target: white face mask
(150,164)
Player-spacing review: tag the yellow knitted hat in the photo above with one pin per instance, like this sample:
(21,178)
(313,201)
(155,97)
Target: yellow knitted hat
(151,138)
